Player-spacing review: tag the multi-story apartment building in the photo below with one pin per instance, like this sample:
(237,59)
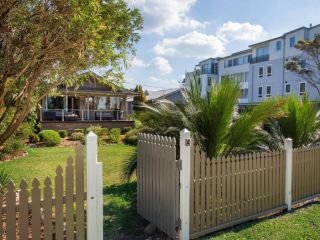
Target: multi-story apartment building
(261,68)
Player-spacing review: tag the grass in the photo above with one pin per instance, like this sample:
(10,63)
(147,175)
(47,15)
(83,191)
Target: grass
(120,218)
(302,223)
(119,205)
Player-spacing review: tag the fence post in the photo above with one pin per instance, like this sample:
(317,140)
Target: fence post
(185,142)
(288,189)
(94,190)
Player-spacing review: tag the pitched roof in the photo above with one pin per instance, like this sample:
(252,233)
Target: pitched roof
(153,95)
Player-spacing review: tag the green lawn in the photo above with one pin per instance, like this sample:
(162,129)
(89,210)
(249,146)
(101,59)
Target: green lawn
(303,223)
(120,218)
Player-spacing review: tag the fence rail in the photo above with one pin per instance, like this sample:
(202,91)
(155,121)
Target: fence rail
(225,189)
(46,212)
(158,179)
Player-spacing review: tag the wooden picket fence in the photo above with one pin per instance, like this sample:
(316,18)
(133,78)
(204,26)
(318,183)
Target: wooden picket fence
(158,179)
(46,213)
(225,191)
(220,192)
(305,173)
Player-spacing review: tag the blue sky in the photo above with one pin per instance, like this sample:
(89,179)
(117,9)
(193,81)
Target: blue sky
(179,33)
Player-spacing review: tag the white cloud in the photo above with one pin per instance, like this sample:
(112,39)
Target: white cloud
(161,16)
(161,65)
(231,31)
(158,64)
(191,45)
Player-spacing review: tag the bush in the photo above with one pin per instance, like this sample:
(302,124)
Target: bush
(12,144)
(33,138)
(25,130)
(131,137)
(50,137)
(79,130)
(126,129)
(97,129)
(137,124)
(114,135)
(63,133)
(105,131)
(77,136)
(4,179)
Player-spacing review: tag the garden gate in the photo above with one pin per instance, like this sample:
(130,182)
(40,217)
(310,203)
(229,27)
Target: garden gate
(57,211)
(217,193)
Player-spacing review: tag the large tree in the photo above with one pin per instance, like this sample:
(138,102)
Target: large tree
(308,65)
(46,43)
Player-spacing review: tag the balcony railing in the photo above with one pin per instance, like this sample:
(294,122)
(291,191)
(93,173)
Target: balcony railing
(258,59)
(82,115)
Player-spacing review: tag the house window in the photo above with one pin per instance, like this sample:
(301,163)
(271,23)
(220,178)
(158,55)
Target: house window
(268,93)
(260,92)
(269,71)
(260,74)
(235,62)
(55,102)
(278,45)
(302,88)
(225,63)
(240,59)
(230,63)
(209,81)
(262,51)
(292,41)
(287,88)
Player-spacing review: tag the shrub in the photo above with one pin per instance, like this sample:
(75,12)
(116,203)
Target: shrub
(137,123)
(97,129)
(114,135)
(105,131)
(79,130)
(131,137)
(12,144)
(126,129)
(50,137)
(4,179)
(63,133)
(77,136)
(33,138)
(25,130)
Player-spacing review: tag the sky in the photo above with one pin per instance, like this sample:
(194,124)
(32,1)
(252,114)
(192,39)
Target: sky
(177,34)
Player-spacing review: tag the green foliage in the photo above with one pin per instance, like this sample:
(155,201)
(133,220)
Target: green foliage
(77,136)
(141,97)
(50,137)
(125,130)
(114,135)
(137,123)
(12,144)
(131,137)
(213,120)
(63,133)
(50,42)
(300,122)
(4,179)
(34,138)
(104,131)
(25,130)
(97,129)
(79,130)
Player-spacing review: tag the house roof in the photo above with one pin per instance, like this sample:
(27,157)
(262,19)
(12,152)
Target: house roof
(96,88)
(154,95)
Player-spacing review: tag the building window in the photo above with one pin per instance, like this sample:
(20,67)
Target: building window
(268,93)
(262,51)
(278,45)
(260,74)
(287,88)
(303,63)
(230,63)
(302,88)
(260,92)
(225,63)
(206,69)
(235,62)
(240,60)
(55,102)
(269,71)
(292,41)
(209,81)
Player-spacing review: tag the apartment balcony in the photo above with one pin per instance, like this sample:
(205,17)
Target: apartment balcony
(259,59)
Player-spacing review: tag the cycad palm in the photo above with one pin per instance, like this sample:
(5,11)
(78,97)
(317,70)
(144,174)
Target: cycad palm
(213,119)
(301,123)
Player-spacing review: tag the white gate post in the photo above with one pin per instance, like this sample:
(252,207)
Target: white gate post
(94,190)
(288,189)
(185,142)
